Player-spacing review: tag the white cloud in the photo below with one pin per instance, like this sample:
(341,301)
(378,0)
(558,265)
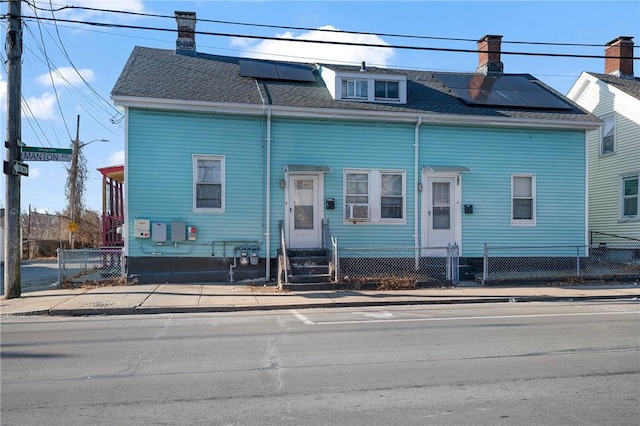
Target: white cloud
(66,76)
(42,107)
(117,158)
(319,52)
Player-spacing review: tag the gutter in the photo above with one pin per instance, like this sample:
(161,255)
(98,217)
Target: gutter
(353,114)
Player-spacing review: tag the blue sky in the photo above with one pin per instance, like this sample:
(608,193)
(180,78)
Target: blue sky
(98,55)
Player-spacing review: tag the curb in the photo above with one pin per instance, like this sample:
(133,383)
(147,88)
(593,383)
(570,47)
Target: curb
(142,310)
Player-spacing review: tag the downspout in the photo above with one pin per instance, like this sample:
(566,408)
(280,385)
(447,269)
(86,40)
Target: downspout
(267,219)
(416,146)
(268,206)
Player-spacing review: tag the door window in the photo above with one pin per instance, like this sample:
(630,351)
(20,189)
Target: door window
(441,205)
(303,204)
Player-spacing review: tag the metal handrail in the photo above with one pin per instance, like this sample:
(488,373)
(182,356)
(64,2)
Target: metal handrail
(283,249)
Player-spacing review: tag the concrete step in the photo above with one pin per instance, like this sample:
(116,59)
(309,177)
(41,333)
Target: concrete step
(310,278)
(309,269)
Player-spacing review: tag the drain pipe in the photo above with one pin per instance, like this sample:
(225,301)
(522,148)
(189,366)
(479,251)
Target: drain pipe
(416,146)
(268,206)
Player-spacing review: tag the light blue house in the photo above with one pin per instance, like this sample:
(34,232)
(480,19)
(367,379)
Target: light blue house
(221,151)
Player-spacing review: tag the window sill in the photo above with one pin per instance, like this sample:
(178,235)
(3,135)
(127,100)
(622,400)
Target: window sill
(369,222)
(629,220)
(523,223)
(208,211)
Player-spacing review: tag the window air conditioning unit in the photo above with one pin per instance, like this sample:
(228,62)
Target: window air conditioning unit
(357,211)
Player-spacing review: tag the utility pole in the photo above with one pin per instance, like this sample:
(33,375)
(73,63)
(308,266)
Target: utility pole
(73,185)
(13,165)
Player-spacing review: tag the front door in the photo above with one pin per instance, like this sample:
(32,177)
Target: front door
(303,211)
(441,211)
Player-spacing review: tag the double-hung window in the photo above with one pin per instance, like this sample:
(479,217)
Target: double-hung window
(377,196)
(208,183)
(630,197)
(523,200)
(608,143)
(355,89)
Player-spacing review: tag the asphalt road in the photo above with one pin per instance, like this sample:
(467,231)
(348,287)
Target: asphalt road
(491,364)
(35,275)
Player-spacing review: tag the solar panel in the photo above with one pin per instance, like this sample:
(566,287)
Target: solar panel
(275,71)
(501,90)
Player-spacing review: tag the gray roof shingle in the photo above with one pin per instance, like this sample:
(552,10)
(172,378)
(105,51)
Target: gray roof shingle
(627,85)
(164,74)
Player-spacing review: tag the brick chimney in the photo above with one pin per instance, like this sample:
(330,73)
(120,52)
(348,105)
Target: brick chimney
(618,57)
(186,41)
(489,55)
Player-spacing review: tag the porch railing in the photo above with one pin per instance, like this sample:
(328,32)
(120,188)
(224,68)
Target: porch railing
(283,260)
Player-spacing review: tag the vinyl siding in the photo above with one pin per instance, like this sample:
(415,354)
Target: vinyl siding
(605,171)
(347,145)
(160,177)
(556,158)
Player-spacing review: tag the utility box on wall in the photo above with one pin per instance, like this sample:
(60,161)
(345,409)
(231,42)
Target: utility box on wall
(141,228)
(192,233)
(159,232)
(178,231)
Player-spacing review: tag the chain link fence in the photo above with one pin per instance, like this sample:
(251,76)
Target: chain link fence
(90,265)
(513,264)
(398,266)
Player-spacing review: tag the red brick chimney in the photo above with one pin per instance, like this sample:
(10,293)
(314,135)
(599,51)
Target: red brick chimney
(618,55)
(186,41)
(489,55)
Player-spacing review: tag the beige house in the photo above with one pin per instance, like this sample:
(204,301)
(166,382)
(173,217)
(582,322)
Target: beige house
(613,152)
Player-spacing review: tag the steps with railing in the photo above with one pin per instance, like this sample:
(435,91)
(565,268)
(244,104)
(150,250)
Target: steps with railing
(310,269)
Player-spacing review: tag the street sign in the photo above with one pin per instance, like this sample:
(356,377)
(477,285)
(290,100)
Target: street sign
(34,153)
(20,169)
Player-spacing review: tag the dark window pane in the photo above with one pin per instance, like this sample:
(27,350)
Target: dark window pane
(523,209)
(208,196)
(631,187)
(391,207)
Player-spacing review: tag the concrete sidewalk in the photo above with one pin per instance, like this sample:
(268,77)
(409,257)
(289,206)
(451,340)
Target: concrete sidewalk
(191,298)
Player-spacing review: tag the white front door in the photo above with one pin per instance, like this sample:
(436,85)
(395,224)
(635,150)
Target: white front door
(303,211)
(440,211)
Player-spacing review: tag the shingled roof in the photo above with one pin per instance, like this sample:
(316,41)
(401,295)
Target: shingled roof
(166,75)
(630,86)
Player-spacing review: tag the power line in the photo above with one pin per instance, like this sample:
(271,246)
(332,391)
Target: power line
(287,27)
(341,43)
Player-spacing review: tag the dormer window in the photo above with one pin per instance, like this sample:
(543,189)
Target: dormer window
(387,90)
(365,85)
(355,89)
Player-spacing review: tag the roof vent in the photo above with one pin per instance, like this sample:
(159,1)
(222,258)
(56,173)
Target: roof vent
(363,67)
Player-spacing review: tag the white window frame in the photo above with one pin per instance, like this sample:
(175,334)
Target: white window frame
(196,159)
(609,127)
(358,91)
(375,196)
(623,197)
(524,222)
(340,91)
